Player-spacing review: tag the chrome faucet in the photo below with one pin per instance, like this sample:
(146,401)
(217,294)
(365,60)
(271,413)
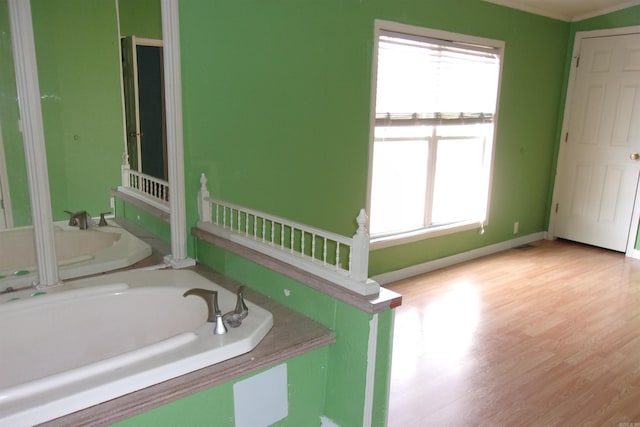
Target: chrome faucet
(215,316)
(79,219)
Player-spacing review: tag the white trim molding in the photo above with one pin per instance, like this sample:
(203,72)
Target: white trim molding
(28,90)
(566,16)
(175,152)
(369,391)
(4,187)
(426,267)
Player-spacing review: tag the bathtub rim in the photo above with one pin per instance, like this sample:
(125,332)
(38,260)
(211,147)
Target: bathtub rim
(292,334)
(137,381)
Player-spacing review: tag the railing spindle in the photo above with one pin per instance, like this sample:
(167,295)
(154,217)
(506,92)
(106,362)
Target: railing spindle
(291,244)
(282,235)
(324,252)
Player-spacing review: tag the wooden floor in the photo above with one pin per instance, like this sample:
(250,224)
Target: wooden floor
(543,335)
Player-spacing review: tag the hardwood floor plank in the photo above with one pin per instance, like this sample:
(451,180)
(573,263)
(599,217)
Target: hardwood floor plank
(544,335)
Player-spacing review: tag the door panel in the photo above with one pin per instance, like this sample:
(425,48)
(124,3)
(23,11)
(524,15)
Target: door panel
(597,178)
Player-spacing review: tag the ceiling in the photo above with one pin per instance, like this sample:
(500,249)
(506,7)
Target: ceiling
(568,10)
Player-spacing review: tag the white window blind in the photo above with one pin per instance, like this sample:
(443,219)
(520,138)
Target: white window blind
(435,79)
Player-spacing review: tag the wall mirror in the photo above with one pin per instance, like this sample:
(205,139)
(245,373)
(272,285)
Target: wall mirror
(78,51)
(78,55)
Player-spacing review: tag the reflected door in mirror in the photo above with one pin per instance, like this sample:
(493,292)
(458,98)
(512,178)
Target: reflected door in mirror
(144,104)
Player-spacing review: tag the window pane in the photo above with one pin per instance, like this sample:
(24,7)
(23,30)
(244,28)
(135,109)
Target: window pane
(406,132)
(398,185)
(460,183)
(458,131)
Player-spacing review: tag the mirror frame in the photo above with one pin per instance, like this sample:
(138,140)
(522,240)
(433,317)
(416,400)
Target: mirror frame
(28,90)
(175,152)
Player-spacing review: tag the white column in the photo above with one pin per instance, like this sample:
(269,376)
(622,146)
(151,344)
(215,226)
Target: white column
(175,153)
(24,58)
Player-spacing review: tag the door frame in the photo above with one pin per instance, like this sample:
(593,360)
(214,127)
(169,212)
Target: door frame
(135,42)
(635,215)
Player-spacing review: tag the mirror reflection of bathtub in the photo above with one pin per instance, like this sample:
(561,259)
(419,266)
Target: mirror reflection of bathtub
(126,340)
(79,252)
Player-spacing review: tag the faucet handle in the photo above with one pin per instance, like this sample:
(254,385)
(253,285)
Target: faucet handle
(241,307)
(211,298)
(103,220)
(234,318)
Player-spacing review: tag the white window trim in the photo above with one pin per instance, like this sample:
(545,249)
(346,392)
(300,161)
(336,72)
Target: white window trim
(381,26)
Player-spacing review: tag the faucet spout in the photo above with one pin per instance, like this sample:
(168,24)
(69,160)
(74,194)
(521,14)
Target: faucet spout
(79,219)
(214,316)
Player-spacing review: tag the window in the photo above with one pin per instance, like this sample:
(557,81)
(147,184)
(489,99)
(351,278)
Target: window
(435,104)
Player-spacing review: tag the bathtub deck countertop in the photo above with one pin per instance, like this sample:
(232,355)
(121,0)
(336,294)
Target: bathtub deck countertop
(292,334)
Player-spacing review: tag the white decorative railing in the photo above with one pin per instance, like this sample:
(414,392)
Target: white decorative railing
(339,259)
(145,187)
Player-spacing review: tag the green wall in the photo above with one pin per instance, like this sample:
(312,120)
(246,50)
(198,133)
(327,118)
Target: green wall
(276,113)
(214,406)
(77,49)
(148,222)
(141,18)
(11,136)
(78,54)
(277,99)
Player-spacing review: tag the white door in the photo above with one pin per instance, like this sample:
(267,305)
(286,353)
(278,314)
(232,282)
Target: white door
(599,161)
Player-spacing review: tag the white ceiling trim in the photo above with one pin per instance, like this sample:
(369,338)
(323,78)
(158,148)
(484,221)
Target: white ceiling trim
(515,4)
(530,9)
(606,10)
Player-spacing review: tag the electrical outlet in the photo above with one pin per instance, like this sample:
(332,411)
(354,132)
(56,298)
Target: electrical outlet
(112,203)
(516,227)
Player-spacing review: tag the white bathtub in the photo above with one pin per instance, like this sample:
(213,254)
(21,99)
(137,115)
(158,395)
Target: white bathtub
(100,338)
(79,252)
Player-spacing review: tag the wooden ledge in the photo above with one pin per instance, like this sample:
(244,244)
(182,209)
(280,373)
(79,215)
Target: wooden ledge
(370,304)
(292,335)
(159,213)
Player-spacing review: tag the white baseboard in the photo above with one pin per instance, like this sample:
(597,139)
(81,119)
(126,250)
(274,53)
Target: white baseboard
(426,267)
